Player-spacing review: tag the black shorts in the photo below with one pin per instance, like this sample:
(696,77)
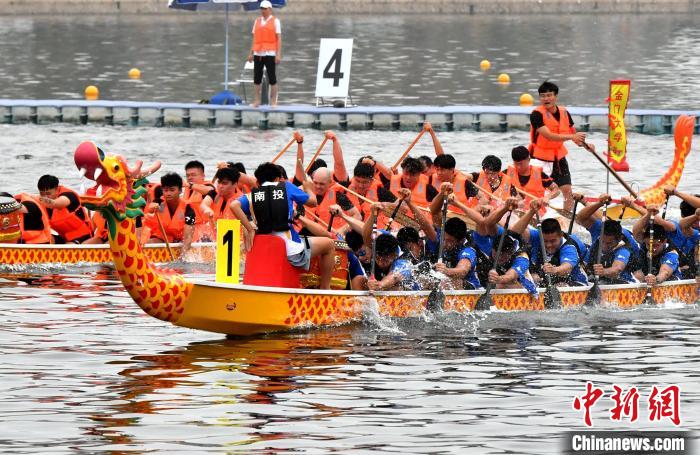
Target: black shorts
(267,61)
(560,172)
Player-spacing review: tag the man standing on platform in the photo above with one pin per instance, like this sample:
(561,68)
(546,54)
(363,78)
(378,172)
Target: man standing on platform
(266,51)
(550,127)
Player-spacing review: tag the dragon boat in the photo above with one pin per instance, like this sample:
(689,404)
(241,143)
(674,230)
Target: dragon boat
(19,254)
(270,298)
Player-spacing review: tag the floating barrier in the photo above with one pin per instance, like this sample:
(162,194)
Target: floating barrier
(447,118)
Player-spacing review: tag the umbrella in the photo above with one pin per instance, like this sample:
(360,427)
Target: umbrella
(226,6)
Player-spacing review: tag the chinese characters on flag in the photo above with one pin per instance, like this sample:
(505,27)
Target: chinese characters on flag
(617,136)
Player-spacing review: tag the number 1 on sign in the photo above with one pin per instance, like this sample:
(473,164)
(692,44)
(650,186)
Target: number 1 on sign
(228,240)
(336,75)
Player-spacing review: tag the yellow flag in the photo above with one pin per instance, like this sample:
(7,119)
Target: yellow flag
(617,135)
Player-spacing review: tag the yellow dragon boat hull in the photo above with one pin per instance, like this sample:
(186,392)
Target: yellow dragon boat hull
(15,254)
(248,310)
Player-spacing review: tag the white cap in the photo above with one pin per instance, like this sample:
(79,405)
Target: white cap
(265,4)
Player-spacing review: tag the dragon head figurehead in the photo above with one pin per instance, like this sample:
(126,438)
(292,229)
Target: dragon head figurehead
(118,191)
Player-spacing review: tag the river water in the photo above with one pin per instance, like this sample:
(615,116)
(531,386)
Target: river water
(397,60)
(85,371)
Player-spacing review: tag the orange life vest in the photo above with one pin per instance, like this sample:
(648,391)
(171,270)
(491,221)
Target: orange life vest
(323,210)
(419,193)
(363,206)
(534,185)
(502,192)
(101,230)
(174,225)
(42,236)
(67,224)
(265,36)
(544,149)
(459,185)
(195,198)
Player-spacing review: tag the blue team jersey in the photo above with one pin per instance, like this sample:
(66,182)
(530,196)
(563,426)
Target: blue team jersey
(685,245)
(294,195)
(354,267)
(486,243)
(535,246)
(404,268)
(670,258)
(521,264)
(597,227)
(622,254)
(465,252)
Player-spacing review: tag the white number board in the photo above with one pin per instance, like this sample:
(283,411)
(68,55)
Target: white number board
(333,74)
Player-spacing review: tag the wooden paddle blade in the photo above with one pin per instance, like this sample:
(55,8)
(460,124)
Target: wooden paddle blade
(436,300)
(594,296)
(552,298)
(630,213)
(402,219)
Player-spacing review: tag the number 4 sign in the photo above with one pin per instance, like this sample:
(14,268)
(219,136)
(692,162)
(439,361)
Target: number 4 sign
(333,74)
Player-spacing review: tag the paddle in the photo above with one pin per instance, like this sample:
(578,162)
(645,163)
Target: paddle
(594,294)
(398,162)
(374,248)
(663,215)
(649,298)
(313,158)
(393,214)
(436,298)
(165,236)
(484,302)
(611,170)
(552,298)
(284,150)
(330,222)
(573,217)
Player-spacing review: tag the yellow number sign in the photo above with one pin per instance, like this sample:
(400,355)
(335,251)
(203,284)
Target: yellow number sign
(228,254)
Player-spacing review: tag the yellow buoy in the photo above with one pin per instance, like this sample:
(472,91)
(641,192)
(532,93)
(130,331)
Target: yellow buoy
(526,99)
(91,93)
(485,65)
(135,73)
(503,78)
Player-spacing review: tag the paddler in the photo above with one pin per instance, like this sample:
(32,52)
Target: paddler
(459,257)
(271,206)
(174,214)
(511,269)
(391,272)
(216,204)
(196,187)
(327,195)
(563,262)
(411,177)
(665,258)
(620,253)
(550,126)
(530,179)
(445,172)
(34,221)
(66,214)
(491,179)
(684,235)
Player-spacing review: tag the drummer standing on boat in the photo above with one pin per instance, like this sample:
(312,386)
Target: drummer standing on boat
(266,51)
(550,126)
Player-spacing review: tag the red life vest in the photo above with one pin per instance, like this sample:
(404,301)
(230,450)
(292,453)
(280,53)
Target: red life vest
(265,36)
(174,225)
(544,149)
(33,237)
(67,224)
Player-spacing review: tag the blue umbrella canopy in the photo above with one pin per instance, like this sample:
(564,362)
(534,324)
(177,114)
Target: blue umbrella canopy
(226,6)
